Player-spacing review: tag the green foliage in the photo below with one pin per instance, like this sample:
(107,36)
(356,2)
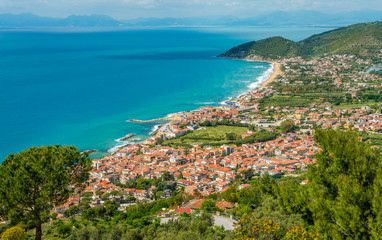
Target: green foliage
(344,187)
(287,125)
(71,211)
(360,39)
(64,230)
(164,182)
(36,180)
(216,135)
(261,136)
(299,232)
(160,141)
(188,226)
(270,48)
(110,207)
(293,198)
(209,205)
(269,209)
(86,233)
(252,228)
(230,194)
(13,233)
(130,199)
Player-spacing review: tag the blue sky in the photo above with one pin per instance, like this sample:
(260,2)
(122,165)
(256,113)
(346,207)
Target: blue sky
(127,9)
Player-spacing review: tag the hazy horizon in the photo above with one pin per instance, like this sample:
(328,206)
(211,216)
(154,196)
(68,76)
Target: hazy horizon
(131,9)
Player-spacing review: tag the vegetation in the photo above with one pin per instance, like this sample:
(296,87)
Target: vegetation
(221,134)
(261,136)
(302,99)
(186,227)
(342,199)
(287,125)
(36,180)
(252,228)
(345,187)
(218,134)
(358,39)
(13,233)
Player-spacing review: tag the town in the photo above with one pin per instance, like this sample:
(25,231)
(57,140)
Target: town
(333,91)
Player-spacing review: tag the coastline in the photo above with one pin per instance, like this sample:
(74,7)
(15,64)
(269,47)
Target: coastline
(152,120)
(271,78)
(173,116)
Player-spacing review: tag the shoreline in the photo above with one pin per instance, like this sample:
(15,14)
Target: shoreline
(171,116)
(271,78)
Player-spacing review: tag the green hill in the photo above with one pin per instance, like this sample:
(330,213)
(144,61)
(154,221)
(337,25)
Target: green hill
(359,39)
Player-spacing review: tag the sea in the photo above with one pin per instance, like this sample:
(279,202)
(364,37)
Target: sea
(79,86)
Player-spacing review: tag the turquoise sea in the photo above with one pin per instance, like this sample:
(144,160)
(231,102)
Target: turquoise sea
(78,87)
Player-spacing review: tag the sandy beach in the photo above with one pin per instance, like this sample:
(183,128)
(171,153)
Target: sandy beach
(276,72)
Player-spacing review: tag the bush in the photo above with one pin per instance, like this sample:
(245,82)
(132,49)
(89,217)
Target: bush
(13,233)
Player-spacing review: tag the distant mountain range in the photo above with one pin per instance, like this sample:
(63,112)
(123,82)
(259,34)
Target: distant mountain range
(280,18)
(28,20)
(363,39)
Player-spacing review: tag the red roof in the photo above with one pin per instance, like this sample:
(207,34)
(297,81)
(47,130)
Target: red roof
(182,210)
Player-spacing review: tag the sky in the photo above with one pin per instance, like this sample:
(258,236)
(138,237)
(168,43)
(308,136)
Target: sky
(129,9)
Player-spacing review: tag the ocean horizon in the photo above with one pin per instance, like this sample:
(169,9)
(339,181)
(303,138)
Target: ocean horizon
(79,88)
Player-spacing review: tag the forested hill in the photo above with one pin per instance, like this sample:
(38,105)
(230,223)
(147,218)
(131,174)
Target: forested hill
(360,39)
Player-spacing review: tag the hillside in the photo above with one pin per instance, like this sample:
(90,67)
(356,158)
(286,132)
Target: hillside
(360,39)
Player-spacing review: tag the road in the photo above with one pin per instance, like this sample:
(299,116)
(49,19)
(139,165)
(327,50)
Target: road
(226,222)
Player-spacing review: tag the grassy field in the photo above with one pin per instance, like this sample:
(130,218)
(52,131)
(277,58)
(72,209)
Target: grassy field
(351,105)
(372,138)
(298,99)
(208,135)
(369,103)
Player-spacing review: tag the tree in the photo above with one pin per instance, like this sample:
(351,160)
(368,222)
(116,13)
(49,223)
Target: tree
(230,136)
(298,232)
(54,216)
(86,233)
(230,194)
(252,228)
(186,150)
(159,141)
(209,205)
(180,176)
(344,188)
(269,209)
(110,207)
(287,125)
(13,233)
(64,230)
(36,180)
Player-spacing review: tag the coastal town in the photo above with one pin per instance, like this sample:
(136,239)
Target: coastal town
(203,167)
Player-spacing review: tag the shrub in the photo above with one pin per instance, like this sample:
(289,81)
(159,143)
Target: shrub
(13,233)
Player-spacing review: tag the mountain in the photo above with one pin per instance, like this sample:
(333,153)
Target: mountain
(359,39)
(91,21)
(279,18)
(27,20)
